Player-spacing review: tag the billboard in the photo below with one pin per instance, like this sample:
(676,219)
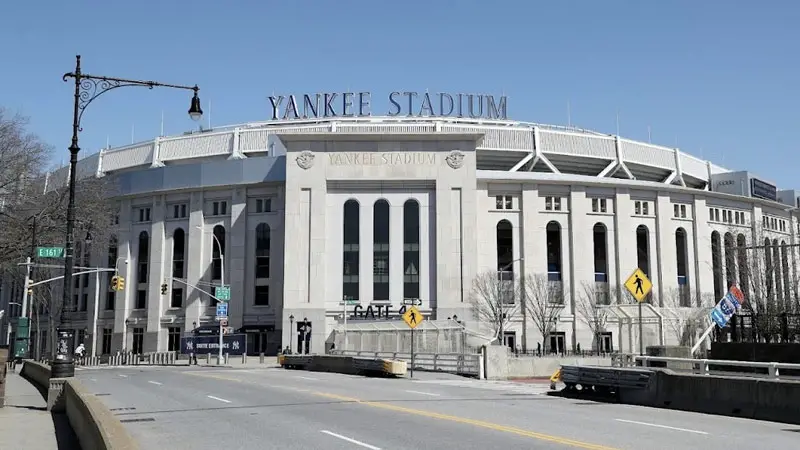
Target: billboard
(232,344)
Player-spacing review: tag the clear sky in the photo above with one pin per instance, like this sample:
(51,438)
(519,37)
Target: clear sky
(717,78)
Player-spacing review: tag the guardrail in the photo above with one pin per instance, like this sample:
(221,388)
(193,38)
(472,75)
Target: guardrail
(707,366)
(95,426)
(458,363)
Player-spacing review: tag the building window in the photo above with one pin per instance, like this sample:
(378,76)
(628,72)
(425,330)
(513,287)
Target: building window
(350,250)
(143,258)
(108,335)
(730,260)
(111,264)
(600,253)
(411,249)
(141,299)
(263,205)
(262,250)
(84,302)
(504,202)
(599,205)
(552,203)
(219,208)
(143,214)
(643,249)
(176,298)
(380,250)
(110,300)
(637,208)
(138,341)
(716,264)
(179,211)
(553,242)
(262,296)
(173,339)
(217,252)
(681,251)
(505,250)
(744,269)
(178,253)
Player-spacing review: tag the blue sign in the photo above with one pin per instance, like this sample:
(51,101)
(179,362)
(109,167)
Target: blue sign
(222,309)
(719,318)
(726,308)
(232,344)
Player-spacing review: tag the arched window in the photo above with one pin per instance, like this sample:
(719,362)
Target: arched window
(553,236)
(643,249)
(217,252)
(350,250)
(380,250)
(178,253)
(730,260)
(142,262)
(263,243)
(744,267)
(770,270)
(505,250)
(777,267)
(263,238)
(681,251)
(113,252)
(787,282)
(411,249)
(716,264)
(600,253)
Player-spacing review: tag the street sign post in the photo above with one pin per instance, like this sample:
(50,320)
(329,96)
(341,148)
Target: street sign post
(639,286)
(412,318)
(50,252)
(412,301)
(222,293)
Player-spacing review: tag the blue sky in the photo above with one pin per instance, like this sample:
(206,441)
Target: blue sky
(719,78)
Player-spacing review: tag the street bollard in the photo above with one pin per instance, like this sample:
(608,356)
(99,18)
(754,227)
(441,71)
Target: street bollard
(226,358)
(244,358)
(261,358)
(208,358)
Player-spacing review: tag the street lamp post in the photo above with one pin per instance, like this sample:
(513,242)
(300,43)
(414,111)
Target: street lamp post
(87,88)
(291,333)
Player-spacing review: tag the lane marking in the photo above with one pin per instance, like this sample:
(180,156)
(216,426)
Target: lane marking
(308,378)
(123,376)
(155,382)
(92,379)
(433,415)
(686,430)
(350,440)
(473,422)
(218,399)
(424,393)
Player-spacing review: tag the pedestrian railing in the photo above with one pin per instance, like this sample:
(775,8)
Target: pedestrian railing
(719,366)
(458,363)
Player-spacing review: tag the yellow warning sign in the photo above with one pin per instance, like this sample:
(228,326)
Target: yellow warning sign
(413,317)
(638,285)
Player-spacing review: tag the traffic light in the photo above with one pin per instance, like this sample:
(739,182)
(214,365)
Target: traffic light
(120,283)
(115,283)
(164,289)
(30,291)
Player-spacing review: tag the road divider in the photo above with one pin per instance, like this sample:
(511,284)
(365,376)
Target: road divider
(351,365)
(96,427)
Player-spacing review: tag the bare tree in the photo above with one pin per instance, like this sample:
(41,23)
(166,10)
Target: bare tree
(494,301)
(688,314)
(593,308)
(544,301)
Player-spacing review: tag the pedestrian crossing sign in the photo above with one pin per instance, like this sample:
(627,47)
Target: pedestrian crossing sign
(412,317)
(638,285)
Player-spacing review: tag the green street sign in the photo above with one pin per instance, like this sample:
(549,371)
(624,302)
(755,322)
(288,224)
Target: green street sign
(222,293)
(50,252)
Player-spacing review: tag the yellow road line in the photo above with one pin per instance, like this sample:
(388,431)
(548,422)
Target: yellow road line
(433,415)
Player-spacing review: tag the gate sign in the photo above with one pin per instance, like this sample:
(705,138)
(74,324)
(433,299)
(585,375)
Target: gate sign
(232,344)
(727,307)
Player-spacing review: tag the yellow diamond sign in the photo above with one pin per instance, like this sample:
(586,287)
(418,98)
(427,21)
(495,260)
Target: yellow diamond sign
(412,317)
(638,285)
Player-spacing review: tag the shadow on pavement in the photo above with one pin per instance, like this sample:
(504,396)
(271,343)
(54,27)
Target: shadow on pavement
(65,437)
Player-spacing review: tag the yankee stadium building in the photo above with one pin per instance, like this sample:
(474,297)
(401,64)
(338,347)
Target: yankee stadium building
(327,202)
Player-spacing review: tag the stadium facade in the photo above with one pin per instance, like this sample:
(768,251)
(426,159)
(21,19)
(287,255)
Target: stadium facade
(311,211)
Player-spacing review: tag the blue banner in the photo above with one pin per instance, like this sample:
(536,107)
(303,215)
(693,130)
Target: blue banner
(232,344)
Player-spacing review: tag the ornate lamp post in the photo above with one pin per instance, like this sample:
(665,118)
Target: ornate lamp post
(87,88)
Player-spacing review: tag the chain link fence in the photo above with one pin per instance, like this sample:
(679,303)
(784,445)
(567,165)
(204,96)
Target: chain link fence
(443,336)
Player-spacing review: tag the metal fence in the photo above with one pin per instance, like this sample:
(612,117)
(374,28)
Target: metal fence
(443,336)
(458,363)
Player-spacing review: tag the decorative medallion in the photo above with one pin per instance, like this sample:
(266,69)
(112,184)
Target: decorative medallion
(305,159)
(455,159)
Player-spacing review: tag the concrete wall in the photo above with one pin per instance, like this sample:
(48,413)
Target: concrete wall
(499,364)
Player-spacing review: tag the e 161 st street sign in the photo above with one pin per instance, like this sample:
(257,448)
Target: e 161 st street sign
(50,252)
(222,293)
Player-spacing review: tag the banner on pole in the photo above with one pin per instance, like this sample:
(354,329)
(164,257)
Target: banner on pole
(727,307)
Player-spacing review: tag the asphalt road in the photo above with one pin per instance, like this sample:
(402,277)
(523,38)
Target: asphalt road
(198,408)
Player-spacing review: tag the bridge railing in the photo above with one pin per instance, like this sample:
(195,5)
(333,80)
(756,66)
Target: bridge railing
(773,370)
(458,363)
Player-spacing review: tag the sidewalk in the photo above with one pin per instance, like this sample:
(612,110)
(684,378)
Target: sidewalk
(25,422)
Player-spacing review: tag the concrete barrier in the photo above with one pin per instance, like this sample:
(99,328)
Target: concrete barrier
(344,364)
(93,423)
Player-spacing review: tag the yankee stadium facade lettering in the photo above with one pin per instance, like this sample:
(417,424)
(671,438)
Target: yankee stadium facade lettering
(409,104)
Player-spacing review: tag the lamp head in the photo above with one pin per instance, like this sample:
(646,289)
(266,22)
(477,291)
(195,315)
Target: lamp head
(195,111)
